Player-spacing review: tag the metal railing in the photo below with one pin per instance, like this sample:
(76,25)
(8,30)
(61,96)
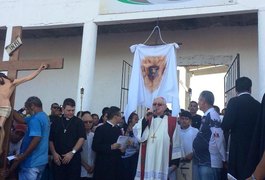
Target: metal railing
(232,74)
(125,81)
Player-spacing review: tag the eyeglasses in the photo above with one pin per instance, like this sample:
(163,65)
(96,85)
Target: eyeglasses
(158,104)
(88,122)
(56,107)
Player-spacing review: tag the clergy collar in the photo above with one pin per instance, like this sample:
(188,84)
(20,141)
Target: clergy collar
(162,116)
(243,93)
(67,118)
(111,123)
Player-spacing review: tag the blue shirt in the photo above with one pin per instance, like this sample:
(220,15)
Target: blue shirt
(38,125)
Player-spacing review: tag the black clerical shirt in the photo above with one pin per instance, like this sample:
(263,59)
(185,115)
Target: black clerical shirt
(65,133)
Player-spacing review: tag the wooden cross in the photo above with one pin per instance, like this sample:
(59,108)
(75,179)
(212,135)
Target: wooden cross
(12,67)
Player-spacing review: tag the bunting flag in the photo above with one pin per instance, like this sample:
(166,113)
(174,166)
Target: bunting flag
(154,74)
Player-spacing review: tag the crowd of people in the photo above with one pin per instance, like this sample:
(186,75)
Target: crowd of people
(70,146)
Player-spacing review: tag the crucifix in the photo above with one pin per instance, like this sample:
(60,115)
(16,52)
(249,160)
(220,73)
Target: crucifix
(153,137)
(12,67)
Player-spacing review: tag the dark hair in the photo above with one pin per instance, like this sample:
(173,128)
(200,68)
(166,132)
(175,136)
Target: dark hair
(243,84)
(208,97)
(2,75)
(113,110)
(131,117)
(85,112)
(82,113)
(94,115)
(184,113)
(105,110)
(69,102)
(33,100)
(54,104)
(194,102)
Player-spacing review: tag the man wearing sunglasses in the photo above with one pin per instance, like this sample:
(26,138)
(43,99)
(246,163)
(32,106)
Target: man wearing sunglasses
(55,112)
(160,148)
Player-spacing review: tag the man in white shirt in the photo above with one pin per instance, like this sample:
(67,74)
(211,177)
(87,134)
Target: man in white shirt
(187,135)
(87,155)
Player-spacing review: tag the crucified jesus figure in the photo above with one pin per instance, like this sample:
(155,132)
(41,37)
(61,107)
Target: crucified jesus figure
(7,87)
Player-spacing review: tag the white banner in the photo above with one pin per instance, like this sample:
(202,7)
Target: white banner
(154,74)
(127,6)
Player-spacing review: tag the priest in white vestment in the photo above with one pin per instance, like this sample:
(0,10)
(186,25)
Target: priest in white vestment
(160,148)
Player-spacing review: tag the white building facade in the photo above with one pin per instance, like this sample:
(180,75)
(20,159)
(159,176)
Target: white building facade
(94,60)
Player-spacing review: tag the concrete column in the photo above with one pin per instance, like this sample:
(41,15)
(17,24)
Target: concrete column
(182,86)
(261,48)
(87,66)
(7,42)
(188,95)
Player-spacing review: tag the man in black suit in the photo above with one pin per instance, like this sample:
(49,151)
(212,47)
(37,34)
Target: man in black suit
(240,120)
(67,136)
(108,164)
(256,157)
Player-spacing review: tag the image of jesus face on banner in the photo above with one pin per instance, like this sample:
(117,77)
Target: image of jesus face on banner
(153,68)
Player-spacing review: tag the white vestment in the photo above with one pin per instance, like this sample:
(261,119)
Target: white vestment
(88,155)
(157,148)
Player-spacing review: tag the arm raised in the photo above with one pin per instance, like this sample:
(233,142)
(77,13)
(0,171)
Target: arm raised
(30,76)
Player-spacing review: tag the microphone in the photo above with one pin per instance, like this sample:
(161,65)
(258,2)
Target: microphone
(149,112)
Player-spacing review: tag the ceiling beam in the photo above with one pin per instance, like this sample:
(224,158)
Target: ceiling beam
(202,60)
